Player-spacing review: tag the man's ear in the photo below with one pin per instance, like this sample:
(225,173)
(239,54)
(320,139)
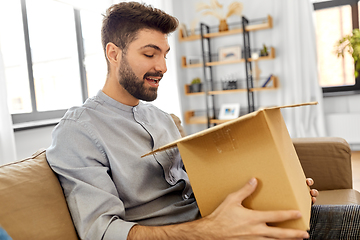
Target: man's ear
(113,53)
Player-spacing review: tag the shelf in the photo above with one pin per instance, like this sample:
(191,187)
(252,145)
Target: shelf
(265,25)
(274,85)
(190,118)
(187,91)
(208,64)
(184,65)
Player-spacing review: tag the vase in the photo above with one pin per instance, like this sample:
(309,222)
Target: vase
(223,25)
(197,87)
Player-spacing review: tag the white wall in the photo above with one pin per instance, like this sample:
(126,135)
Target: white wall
(342,115)
(29,141)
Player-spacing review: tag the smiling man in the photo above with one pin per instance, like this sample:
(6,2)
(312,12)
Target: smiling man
(112,192)
(139,67)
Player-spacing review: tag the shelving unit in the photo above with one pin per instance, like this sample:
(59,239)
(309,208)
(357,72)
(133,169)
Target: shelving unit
(217,63)
(264,25)
(272,85)
(209,90)
(190,118)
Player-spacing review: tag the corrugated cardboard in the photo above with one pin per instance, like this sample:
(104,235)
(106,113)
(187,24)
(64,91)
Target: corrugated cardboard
(220,160)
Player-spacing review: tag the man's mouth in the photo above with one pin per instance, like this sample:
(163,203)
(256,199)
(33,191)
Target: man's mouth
(154,82)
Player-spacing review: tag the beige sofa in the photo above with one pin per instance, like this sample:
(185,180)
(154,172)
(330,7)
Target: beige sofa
(33,207)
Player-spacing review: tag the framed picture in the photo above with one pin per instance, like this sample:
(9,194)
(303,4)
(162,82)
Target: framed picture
(229,111)
(230,53)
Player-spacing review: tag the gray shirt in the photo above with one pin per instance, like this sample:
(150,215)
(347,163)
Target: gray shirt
(96,153)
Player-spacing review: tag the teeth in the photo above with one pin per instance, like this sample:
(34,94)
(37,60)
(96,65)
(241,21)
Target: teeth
(155,80)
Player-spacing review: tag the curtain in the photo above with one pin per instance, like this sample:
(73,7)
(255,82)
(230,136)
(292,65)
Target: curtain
(296,62)
(7,141)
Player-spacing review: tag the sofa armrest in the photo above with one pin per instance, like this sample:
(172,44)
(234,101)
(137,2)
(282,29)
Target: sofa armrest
(327,160)
(177,122)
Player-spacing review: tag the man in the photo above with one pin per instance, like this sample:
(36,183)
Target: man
(111,192)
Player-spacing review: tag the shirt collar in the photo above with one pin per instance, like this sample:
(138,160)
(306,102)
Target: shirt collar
(115,103)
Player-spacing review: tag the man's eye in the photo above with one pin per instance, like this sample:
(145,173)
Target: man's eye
(149,56)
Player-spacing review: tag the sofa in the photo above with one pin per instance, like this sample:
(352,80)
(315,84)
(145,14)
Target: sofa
(33,207)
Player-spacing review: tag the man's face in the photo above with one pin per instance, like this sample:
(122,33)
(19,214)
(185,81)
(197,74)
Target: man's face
(143,64)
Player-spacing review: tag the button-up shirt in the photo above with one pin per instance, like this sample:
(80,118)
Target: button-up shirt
(96,152)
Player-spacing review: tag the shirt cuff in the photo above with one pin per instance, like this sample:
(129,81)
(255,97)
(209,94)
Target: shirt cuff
(118,230)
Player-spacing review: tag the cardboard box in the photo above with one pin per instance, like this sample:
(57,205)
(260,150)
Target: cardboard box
(220,160)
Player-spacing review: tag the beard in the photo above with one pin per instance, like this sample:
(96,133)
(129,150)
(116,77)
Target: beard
(134,85)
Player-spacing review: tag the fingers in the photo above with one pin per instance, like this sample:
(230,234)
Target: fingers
(283,233)
(246,191)
(314,192)
(309,182)
(279,216)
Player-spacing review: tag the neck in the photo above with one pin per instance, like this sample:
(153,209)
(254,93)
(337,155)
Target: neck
(113,89)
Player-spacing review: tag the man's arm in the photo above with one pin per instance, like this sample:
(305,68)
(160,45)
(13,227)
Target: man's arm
(229,221)
(84,173)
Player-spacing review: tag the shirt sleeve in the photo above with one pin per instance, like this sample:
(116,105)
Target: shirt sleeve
(84,173)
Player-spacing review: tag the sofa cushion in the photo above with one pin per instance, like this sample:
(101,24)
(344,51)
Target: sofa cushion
(338,197)
(32,204)
(327,160)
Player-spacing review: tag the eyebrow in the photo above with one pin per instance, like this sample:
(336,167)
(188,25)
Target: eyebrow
(154,47)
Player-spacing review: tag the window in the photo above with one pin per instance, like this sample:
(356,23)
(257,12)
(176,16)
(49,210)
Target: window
(55,64)
(335,19)
(46,52)
(95,63)
(19,98)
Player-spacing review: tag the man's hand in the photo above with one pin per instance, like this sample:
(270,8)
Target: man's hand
(229,221)
(313,192)
(234,221)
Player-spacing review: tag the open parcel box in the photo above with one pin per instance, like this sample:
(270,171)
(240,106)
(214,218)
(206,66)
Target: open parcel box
(220,160)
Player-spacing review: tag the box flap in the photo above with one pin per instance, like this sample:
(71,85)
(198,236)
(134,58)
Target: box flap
(294,105)
(209,130)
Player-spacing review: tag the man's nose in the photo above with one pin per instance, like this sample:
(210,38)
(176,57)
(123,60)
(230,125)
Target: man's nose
(161,66)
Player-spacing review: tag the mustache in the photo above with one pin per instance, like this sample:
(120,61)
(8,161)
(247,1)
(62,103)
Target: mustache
(153,74)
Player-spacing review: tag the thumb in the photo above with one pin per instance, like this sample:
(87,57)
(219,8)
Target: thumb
(246,190)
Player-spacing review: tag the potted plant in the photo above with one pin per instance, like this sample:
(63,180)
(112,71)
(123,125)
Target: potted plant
(264,51)
(196,85)
(351,44)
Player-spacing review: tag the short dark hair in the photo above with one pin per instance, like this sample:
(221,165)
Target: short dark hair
(122,22)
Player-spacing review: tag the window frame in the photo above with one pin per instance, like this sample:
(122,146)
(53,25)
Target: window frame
(20,119)
(341,90)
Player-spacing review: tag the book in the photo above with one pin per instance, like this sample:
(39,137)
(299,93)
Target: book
(267,81)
